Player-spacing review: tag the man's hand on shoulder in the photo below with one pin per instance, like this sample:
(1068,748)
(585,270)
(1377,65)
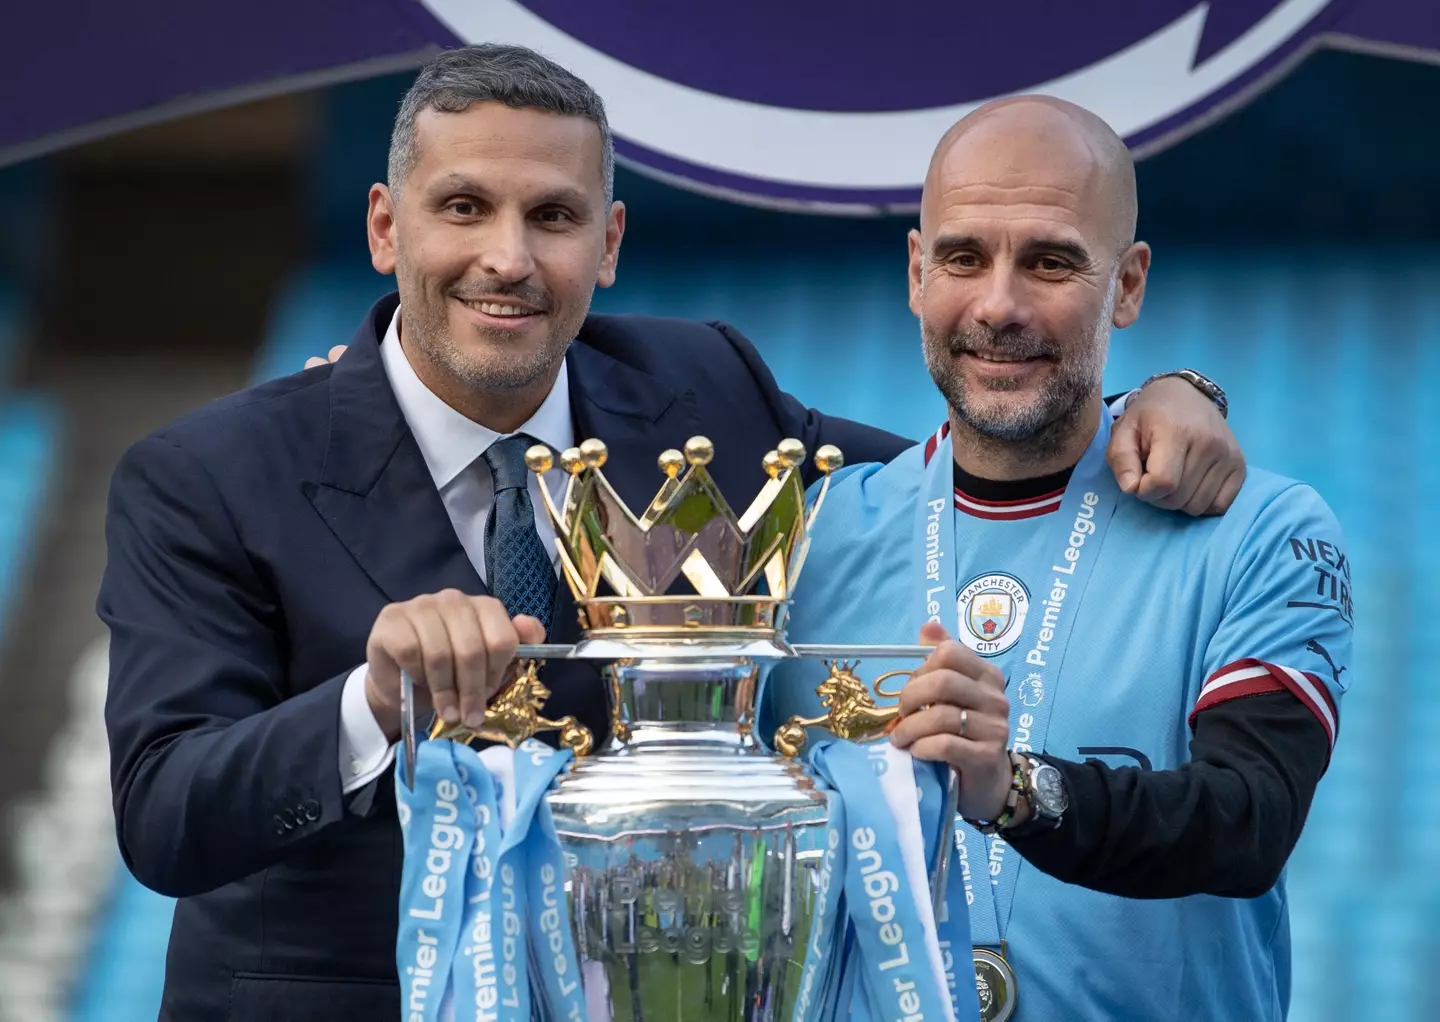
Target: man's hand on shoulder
(457,649)
(334,356)
(1172,448)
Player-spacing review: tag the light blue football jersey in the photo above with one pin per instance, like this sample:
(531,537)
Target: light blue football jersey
(1179,613)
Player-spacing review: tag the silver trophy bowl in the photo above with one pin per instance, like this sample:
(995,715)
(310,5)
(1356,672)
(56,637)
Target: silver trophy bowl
(693,851)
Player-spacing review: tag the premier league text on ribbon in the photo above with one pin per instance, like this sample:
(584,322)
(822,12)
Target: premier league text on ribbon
(481,947)
(445,839)
(1084,526)
(933,553)
(880,884)
(550,923)
(1021,740)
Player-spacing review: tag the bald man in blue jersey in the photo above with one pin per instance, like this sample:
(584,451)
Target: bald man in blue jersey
(1139,705)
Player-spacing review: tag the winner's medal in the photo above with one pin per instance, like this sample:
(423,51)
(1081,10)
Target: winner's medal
(995,983)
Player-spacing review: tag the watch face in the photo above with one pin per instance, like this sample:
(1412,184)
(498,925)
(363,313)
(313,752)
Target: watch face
(1050,790)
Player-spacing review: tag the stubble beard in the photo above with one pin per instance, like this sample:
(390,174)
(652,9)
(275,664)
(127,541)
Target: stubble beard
(1038,429)
(503,365)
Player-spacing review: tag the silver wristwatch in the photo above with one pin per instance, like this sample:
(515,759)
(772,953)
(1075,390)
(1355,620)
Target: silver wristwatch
(1046,793)
(1200,382)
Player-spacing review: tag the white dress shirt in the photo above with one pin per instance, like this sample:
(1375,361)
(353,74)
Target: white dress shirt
(451,445)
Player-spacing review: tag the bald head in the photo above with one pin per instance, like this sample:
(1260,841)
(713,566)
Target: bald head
(1022,147)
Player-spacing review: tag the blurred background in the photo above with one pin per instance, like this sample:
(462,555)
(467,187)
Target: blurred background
(1297,260)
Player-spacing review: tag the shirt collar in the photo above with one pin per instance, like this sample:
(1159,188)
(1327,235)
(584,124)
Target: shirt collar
(450,442)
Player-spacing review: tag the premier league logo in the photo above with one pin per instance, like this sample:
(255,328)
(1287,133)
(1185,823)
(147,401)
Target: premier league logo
(992,612)
(826,106)
(1032,690)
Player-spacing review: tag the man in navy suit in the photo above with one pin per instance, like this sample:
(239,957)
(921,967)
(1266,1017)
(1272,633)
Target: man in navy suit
(280,556)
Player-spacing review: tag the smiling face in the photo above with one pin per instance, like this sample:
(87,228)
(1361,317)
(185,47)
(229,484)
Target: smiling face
(497,238)
(1022,264)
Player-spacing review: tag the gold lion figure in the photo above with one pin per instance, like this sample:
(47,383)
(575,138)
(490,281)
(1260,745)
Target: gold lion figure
(515,714)
(850,710)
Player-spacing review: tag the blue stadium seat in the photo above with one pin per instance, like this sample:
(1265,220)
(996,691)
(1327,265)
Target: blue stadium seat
(321,307)
(29,437)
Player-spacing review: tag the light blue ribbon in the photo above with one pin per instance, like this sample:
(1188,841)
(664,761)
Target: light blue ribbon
(952,918)
(893,980)
(481,905)
(551,940)
(1091,497)
(436,821)
(475,976)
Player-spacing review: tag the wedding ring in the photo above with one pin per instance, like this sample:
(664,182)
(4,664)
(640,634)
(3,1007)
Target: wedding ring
(964,719)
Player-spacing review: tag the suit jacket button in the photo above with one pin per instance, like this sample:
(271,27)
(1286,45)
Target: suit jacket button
(289,818)
(312,809)
(279,824)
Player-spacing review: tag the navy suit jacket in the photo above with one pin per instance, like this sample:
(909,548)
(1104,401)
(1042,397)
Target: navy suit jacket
(251,545)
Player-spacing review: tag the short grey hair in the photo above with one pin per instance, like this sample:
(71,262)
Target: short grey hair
(519,77)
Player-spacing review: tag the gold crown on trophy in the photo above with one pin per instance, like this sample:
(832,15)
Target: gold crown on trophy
(621,567)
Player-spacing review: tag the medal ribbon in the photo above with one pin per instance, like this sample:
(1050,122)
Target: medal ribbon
(481,926)
(436,825)
(894,968)
(952,919)
(474,978)
(1069,559)
(551,939)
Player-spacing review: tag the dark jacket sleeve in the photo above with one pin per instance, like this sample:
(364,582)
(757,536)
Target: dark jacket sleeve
(217,770)
(858,442)
(1222,824)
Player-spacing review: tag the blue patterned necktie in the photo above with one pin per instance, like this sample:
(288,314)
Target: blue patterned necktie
(519,569)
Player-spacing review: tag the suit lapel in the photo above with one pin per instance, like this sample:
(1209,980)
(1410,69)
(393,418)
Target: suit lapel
(375,492)
(636,415)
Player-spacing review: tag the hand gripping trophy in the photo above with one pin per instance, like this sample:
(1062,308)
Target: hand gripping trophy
(697,874)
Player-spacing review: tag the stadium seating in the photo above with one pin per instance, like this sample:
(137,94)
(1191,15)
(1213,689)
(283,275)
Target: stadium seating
(29,438)
(30,434)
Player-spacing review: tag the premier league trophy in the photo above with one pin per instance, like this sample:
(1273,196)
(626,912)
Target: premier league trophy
(693,851)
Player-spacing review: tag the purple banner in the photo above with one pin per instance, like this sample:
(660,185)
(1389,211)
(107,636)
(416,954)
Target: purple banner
(71,70)
(807,103)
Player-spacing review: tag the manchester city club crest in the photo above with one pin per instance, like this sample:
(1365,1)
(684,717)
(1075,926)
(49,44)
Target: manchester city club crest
(760,101)
(992,612)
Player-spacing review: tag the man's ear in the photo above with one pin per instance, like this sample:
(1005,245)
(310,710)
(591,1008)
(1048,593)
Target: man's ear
(1130,284)
(380,229)
(917,271)
(614,232)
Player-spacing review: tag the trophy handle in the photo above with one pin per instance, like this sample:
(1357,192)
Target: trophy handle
(850,710)
(790,735)
(513,716)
